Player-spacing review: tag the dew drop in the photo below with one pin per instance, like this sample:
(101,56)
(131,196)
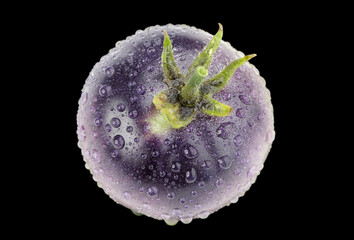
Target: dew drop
(240,112)
(114,153)
(108,127)
(190,151)
(82,133)
(98,121)
(109,71)
(127,195)
(176,166)
(95,155)
(115,122)
(152,191)
(201,184)
(121,107)
(219,182)
(83,98)
(245,99)
(143,156)
(150,68)
(157,41)
(155,153)
(238,140)
(151,50)
(270,136)
(133,114)
(176,212)
(224,162)
(204,215)
(206,164)
(104,90)
(226,96)
(118,141)
(187,219)
(191,176)
(224,130)
(129,129)
(141,89)
(167,142)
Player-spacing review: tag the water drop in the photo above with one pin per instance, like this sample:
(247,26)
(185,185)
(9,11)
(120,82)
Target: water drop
(134,99)
(176,166)
(238,140)
(108,127)
(182,200)
(270,136)
(98,121)
(176,212)
(191,176)
(82,133)
(118,141)
(151,50)
(143,156)
(224,130)
(141,89)
(114,153)
(121,107)
(240,112)
(155,153)
(194,193)
(115,122)
(204,215)
(224,162)
(95,155)
(129,129)
(109,71)
(201,184)
(190,151)
(152,191)
(133,114)
(167,142)
(245,99)
(226,96)
(187,219)
(150,68)
(105,90)
(219,182)
(206,164)
(136,139)
(83,98)
(147,43)
(127,195)
(157,41)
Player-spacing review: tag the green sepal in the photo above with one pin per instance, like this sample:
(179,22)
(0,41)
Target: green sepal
(169,66)
(216,83)
(172,113)
(204,58)
(214,108)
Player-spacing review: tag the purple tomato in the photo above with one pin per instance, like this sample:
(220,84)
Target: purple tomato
(174,123)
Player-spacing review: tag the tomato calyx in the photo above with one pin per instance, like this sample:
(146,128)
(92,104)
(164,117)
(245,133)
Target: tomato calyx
(191,93)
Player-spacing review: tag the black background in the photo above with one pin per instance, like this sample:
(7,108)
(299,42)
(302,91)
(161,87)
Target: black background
(70,40)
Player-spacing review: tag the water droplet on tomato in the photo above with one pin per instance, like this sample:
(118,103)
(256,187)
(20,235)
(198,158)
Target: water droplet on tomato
(109,71)
(115,122)
(224,162)
(141,89)
(121,107)
(240,112)
(152,191)
(127,195)
(238,140)
(133,114)
(98,121)
(190,151)
(206,164)
(129,129)
(245,99)
(176,166)
(118,141)
(191,176)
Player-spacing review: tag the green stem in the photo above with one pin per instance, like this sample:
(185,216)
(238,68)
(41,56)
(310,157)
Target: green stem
(190,92)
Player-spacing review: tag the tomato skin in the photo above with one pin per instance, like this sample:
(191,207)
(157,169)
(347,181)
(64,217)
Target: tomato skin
(179,174)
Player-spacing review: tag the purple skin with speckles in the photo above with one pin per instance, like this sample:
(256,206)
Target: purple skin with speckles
(184,173)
